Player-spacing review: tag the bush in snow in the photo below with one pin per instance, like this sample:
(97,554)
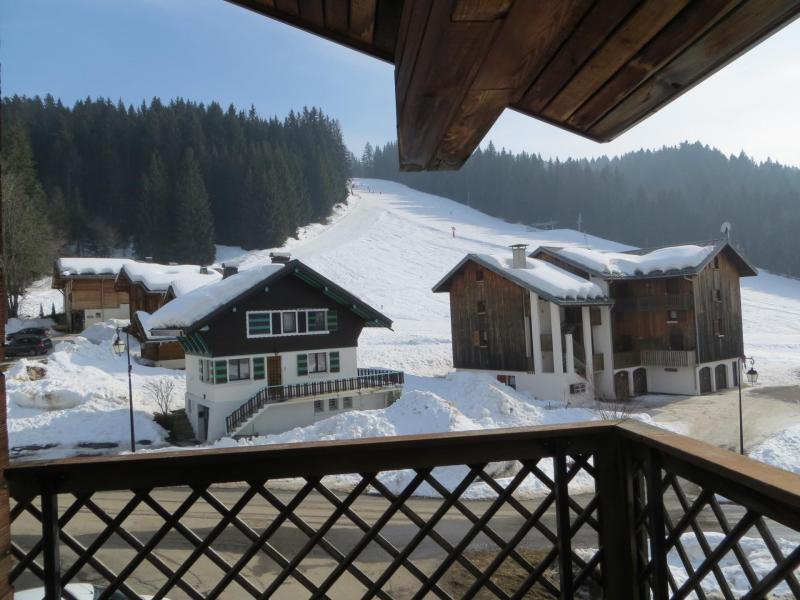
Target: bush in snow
(161,392)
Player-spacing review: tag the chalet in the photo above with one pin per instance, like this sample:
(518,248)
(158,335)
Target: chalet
(272,348)
(150,286)
(523,320)
(581,324)
(89,293)
(676,324)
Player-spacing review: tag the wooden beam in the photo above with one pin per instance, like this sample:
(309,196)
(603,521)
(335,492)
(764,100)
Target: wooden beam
(682,31)
(588,35)
(749,24)
(362,19)
(645,22)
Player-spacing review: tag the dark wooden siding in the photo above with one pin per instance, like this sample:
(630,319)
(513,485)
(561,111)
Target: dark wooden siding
(726,310)
(227,333)
(504,321)
(640,315)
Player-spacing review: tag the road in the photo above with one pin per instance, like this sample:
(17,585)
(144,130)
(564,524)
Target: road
(289,539)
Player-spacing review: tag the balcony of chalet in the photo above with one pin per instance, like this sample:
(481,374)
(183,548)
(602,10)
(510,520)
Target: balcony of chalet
(589,510)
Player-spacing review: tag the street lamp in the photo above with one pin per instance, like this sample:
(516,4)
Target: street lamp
(752,378)
(119,347)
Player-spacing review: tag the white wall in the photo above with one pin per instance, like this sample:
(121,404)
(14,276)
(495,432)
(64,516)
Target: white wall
(661,381)
(601,338)
(546,386)
(90,314)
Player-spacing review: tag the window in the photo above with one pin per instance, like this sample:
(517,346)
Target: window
(672,316)
(595,317)
(347,402)
(509,380)
(478,275)
(238,369)
(317,362)
(577,388)
(316,320)
(271,323)
(483,337)
(289,322)
(717,295)
(319,406)
(333,404)
(719,329)
(481,307)
(716,261)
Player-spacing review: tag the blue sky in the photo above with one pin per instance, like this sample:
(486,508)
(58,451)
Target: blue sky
(211,50)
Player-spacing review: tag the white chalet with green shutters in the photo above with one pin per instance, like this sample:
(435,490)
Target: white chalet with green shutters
(273,348)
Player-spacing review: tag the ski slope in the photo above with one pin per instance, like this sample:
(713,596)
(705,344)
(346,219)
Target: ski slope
(391,244)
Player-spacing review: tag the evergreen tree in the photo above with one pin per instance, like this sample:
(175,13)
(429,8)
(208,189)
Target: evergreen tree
(194,227)
(152,233)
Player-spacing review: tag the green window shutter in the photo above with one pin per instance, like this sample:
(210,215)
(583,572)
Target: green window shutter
(333,320)
(259,323)
(312,319)
(220,371)
(258,367)
(333,361)
(302,364)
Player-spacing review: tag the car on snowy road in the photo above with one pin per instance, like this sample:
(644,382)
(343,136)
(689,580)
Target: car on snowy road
(29,332)
(28,346)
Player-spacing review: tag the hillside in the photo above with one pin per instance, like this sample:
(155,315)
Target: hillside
(391,244)
(644,198)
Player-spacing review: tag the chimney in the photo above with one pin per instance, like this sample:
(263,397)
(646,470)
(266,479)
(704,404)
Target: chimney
(280,258)
(203,270)
(518,258)
(228,270)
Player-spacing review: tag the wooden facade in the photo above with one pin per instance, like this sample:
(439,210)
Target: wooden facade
(488,321)
(87,296)
(226,333)
(593,68)
(653,314)
(718,307)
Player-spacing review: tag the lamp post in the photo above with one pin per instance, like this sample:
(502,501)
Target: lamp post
(119,347)
(752,379)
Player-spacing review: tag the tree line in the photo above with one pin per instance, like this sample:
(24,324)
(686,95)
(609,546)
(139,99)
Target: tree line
(170,180)
(645,198)
(161,181)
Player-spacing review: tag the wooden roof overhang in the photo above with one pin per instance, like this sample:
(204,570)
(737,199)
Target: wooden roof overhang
(593,67)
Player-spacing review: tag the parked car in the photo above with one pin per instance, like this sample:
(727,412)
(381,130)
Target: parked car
(29,346)
(29,332)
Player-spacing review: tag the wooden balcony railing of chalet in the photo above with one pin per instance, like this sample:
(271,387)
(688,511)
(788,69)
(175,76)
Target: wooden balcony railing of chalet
(649,303)
(624,360)
(366,379)
(667,358)
(614,509)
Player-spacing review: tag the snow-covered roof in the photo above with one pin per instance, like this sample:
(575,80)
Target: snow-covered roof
(158,278)
(546,279)
(187,309)
(193,309)
(627,264)
(90,267)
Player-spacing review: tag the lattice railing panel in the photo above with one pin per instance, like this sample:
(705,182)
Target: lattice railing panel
(497,530)
(711,547)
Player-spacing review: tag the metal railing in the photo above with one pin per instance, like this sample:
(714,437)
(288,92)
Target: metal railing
(366,379)
(614,509)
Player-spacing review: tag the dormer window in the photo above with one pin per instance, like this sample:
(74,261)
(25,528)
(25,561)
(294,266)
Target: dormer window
(479,276)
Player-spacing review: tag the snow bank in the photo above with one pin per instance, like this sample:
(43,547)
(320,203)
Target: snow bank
(673,258)
(79,394)
(191,307)
(544,277)
(781,450)
(105,331)
(458,402)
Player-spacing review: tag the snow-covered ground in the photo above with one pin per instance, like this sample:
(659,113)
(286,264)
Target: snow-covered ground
(41,296)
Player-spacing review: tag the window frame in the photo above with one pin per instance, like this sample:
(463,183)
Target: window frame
(347,403)
(313,359)
(279,315)
(239,362)
(319,407)
(333,404)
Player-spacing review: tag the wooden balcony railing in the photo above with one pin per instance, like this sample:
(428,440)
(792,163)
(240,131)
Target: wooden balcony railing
(668,358)
(624,360)
(610,509)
